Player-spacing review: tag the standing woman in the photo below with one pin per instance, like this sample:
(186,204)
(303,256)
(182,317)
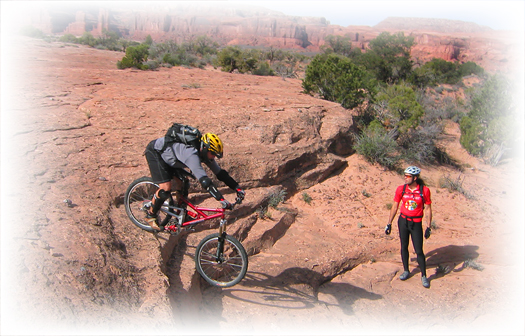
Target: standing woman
(415,205)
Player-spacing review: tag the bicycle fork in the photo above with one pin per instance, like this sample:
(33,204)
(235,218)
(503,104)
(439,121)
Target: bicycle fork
(222,237)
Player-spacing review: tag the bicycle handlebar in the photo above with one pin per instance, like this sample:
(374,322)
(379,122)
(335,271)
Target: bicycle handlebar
(238,200)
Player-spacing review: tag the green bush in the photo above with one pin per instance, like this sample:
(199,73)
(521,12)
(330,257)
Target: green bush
(306,198)
(490,128)
(264,69)
(389,57)
(470,68)
(400,107)
(276,198)
(419,145)
(135,58)
(377,145)
(31,31)
(68,38)
(439,71)
(233,58)
(88,39)
(338,79)
(340,45)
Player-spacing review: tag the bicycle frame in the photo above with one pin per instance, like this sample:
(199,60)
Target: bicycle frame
(219,258)
(198,215)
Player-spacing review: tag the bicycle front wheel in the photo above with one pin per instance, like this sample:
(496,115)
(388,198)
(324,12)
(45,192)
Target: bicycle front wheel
(138,196)
(221,270)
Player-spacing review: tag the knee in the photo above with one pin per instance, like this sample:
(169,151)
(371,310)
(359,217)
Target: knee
(163,194)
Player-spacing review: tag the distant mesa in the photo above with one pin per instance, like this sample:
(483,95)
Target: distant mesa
(433,25)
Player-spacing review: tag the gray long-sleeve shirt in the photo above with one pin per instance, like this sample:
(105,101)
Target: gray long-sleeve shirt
(179,155)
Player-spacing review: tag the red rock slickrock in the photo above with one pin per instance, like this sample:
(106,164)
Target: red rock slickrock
(74,129)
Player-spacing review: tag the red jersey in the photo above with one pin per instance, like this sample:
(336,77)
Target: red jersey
(411,202)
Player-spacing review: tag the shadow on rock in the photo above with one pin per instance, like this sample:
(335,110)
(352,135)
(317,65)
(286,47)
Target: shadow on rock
(346,295)
(446,259)
(452,254)
(297,288)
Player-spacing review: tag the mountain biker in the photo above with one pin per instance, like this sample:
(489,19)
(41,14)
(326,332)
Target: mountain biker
(163,160)
(414,208)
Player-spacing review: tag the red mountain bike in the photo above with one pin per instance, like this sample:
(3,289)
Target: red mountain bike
(219,258)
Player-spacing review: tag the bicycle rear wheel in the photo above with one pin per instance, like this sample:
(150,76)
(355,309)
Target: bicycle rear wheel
(225,270)
(138,196)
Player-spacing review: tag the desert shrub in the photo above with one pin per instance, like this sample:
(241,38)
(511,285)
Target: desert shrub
(152,65)
(88,39)
(276,198)
(338,79)
(68,38)
(389,57)
(148,40)
(489,128)
(264,213)
(192,86)
(439,71)
(419,145)
(233,58)
(415,119)
(196,53)
(366,193)
(306,198)
(442,109)
(470,68)
(135,57)
(470,263)
(203,45)
(341,45)
(454,185)
(31,31)
(444,71)
(377,145)
(109,41)
(263,69)
(397,106)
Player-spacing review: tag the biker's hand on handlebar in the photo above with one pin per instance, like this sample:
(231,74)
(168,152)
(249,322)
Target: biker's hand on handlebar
(241,194)
(226,205)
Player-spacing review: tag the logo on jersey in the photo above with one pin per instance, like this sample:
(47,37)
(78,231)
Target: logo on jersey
(411,205)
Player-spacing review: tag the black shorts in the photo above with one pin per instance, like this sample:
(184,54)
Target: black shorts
(160,171)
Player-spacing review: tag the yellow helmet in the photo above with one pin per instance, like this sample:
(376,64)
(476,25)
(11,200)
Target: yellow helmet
(211,142)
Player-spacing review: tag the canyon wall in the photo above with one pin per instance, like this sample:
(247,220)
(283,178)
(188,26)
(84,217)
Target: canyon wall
(258,27)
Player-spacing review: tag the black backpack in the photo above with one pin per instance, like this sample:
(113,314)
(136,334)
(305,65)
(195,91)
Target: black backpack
(183,134)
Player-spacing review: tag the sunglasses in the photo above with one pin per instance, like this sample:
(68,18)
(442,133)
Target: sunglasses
(409,176)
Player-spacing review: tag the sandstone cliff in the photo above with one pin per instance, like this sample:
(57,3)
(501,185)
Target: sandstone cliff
(254,26)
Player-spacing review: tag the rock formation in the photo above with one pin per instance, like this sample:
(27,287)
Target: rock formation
(254,26)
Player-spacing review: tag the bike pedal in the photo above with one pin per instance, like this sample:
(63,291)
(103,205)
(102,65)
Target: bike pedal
(146,206)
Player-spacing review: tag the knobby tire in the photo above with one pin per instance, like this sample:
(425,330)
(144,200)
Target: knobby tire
(138,193)
(233,267)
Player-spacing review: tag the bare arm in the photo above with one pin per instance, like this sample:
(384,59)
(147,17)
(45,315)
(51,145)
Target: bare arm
(393,212)
(428,214)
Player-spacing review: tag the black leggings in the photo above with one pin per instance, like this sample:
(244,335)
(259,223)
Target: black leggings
(408,228)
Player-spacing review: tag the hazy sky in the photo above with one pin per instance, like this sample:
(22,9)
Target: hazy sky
(494,14)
